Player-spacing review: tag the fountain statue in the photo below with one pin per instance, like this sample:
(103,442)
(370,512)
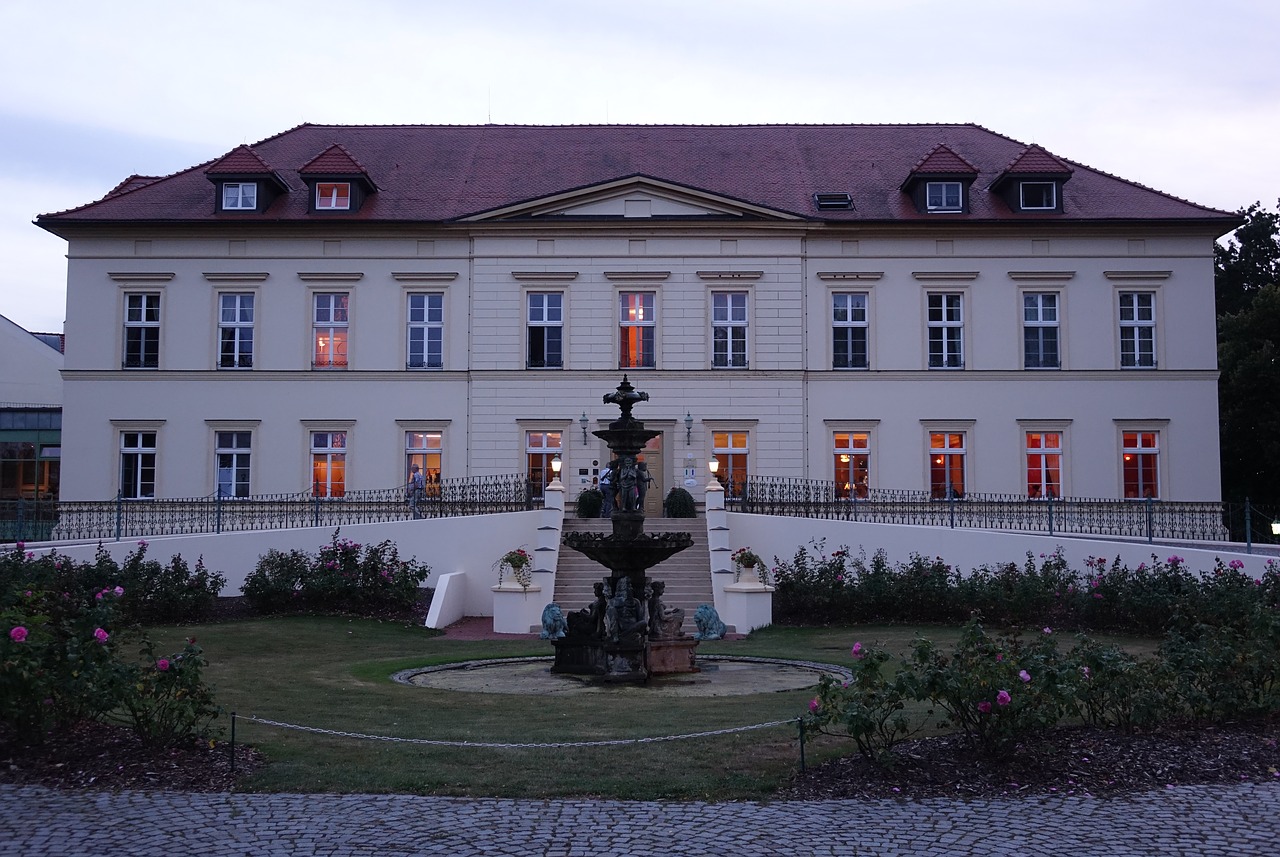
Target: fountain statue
(626,633)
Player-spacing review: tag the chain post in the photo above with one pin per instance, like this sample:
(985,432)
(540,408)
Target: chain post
(800,721)
(233,748)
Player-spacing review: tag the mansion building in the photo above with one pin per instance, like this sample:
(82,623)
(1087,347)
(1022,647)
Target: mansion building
(934,308)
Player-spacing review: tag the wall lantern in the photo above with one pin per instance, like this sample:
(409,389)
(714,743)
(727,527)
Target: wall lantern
(583,421)
(688,428)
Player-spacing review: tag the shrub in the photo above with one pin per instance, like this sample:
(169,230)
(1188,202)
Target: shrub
(170,703)
(171,593)
(680,504)
(275,584)
(868,709)
(589,503)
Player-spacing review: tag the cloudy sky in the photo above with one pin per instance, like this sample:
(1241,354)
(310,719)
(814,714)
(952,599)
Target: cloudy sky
(1179,95)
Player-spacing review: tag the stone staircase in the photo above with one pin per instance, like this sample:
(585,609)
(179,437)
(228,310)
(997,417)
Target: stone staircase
(687,574)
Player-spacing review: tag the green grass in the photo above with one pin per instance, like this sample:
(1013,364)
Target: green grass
(334,674)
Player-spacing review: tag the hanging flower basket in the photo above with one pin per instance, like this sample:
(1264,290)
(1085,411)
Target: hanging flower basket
(519,564)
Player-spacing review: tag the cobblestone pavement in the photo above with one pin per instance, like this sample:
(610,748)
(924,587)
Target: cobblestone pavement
(1201,820)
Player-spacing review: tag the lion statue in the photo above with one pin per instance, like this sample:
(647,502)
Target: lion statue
(553,622)
(708,621)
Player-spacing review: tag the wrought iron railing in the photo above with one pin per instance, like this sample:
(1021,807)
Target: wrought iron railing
(43,520)
(1148,519)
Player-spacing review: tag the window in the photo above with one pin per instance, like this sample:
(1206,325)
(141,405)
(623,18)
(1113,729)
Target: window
(1040,331)
(946,331)
(540,448)
(636,330)
(235,331)
(29,470)
(1038,195)
(232,453)
(333,196)
(240,196)
(852,464)
(732,449)
(423,449)
(426,331)
(142,331)
(138,465)
(328,463)
(946,465)
(1137,330)
(1044,464)
(944,196)
(545,330)
(330,329)
(849,331)
(729,330)
(1141,464)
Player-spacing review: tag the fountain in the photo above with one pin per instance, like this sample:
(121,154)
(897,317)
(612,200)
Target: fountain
(626,634)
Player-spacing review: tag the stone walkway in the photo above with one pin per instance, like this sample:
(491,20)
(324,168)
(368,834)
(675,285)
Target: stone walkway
(1201,820)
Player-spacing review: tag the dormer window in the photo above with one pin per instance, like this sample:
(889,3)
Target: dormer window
(333,196)
(1038,196)
(239,196)
(944,196)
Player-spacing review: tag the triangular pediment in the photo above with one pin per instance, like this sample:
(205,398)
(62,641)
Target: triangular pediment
(633,198)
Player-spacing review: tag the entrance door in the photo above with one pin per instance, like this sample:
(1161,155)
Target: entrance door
(655,460)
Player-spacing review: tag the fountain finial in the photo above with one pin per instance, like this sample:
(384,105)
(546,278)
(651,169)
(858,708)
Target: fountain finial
(625,397)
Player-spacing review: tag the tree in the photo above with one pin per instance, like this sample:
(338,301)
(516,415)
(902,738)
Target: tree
(1248,260)
(1249,397)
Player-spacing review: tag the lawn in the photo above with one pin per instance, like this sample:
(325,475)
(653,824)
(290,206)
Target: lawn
(334,674)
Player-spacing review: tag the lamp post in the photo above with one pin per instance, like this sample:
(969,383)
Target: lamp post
(688,428)
(584,422)
(556,464)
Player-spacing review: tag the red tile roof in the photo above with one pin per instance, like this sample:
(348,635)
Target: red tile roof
(333,161)
(240,161)
(442,173)
(942,161)
(1036,161)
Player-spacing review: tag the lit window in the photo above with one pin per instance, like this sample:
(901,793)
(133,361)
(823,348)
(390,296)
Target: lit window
(946,331)
(426,331)
(732,449)
(239,196)
(636,330)
(423,449)
(852,453)
(849,331)
(729,330)
(328,463)
(235,331)
(329,327)
(142,331)
(333,195)
(944,196)
(540,448)
(1141,464)
(1137,330)
(1044,464)
(545,330)
(946,465)
(1038,196)
(138,465)
(232,455)
(1040,331)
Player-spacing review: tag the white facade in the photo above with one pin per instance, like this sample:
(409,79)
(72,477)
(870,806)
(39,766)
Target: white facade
(1117,293)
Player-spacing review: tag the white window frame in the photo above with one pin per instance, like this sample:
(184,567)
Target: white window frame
(239,196)
(544,311)
(228,449)
(1137,351)
(637,316)
(236,329)
(727,445)
(138,448)
(1138,448)
(331,305)
(1053,195)
(142,323)
(541,446)
(946,329)
(943,188)
(1043,486)
(730,330)
(424,338)
(848,445)
(947,452)
(856,318)
(1035,318)
(328,197)
(328,446)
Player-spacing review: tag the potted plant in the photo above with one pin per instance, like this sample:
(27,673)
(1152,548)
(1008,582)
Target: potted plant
(749,560)
(519,564)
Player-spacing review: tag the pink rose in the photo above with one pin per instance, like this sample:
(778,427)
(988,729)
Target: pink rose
(1048,630)
(1003,698)
(999,657)
(813,705)
(857,652)
(100,635)
(1024,675)
(118,591)
(162,664)
(1236,564)
(984,707)
(18,634)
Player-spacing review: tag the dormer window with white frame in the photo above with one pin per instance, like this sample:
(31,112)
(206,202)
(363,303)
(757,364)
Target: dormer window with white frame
(333,196)
(944,196)
(1038,196)
(239,196)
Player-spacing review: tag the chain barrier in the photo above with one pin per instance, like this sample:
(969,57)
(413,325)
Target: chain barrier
(490,745)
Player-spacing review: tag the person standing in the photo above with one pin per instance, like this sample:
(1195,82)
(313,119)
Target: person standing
(416,490)
(606,488)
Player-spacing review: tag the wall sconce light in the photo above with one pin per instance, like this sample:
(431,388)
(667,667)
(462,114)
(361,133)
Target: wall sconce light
(688,428)
(583,421)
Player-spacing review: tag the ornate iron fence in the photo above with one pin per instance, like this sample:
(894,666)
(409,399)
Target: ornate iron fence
(32,520)
(1148,519)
